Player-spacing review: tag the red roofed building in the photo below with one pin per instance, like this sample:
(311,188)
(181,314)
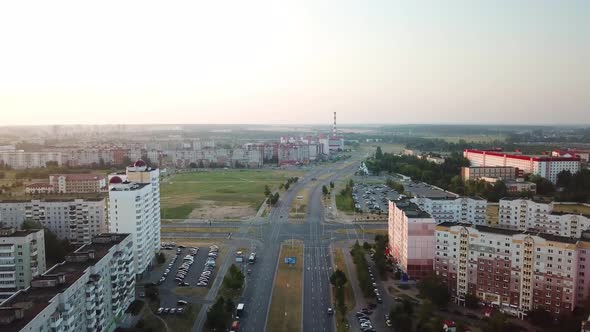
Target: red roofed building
(544,166)
(78,183)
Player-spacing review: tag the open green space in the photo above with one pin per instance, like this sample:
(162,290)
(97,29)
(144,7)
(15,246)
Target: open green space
(287,296)
(218,190)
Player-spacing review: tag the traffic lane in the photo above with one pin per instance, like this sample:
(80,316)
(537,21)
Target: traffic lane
(317,291)
(256,296)
(382,308)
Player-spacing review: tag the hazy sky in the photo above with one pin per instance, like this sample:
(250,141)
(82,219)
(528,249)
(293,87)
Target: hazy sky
(294,61)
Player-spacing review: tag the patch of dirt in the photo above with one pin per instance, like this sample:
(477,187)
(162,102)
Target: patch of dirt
(209,210)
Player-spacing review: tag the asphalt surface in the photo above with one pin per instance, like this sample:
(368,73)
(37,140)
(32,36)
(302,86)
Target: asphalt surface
(266,239)
(374,194)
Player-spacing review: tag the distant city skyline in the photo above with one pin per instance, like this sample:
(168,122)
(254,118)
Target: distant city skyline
(295,62)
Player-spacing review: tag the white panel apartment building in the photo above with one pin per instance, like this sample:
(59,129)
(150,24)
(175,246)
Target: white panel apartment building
(74,219)
(134,208)
(544,166)
(516,271)
(525,214)
(22,257)
(463,209)
(87,292)
(22,160)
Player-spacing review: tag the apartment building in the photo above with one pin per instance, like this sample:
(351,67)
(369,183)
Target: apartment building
(78,183)
(22,257)
(86,292)
(513,270)
(411,238)
(74,219)
(497,172)
(134,208)
(548,217)
(544,166)
(463,209)
(22,160)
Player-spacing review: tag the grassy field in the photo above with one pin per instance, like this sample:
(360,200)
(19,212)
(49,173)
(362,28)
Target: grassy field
(218,193)
(286,307)
(572,208)
(349,300)
(185,321)
(344,203)
(492,213)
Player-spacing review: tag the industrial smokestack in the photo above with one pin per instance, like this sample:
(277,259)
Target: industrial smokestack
(334,126)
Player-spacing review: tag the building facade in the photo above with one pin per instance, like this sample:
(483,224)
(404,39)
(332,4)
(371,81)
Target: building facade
(22,160)
(78,183)
(134,208)
(411,238)
(462,209)
(513,270)
(525,214)
(87,292)
(544,166)
(22,258)
(74,219)
(498,172)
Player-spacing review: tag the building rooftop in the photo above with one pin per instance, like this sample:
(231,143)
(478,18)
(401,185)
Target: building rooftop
(510,232)
(516,155)
(411,210)
(447,198)
(56,280)
(13,232)
(80,176)
(128,186)
(91,197)
(525,199)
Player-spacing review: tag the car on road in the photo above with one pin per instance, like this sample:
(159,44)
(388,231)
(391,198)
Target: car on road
(330,311)
(379,300)
(160,310)
(182,302)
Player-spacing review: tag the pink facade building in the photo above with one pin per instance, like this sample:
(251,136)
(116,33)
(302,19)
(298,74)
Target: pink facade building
(411,238)
(515,271)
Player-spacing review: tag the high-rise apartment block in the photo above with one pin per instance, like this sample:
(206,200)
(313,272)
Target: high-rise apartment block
(134,208)
(87,292)
(547,217)
(22,257)
(517,271)
(411,238)
(74,219)
(462,209)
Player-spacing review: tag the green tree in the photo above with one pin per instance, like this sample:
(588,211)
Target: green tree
(471,301)
(325,190)
(217,316)
(266,190)
(433,288)
(161,258)
(192,165)
(234,279)
(338,278)
(55,249)
(563,179)
(378,153)
(332,184)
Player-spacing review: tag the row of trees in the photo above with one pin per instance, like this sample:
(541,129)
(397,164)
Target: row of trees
(439,175)
(325,190)
(395,186)
(380,258)
(362,269)
(290,181)
(491,191)
(338,280)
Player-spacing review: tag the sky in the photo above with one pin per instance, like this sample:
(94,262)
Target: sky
(282,62)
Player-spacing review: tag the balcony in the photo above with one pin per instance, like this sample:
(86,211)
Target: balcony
(56,320)
(6,249)
(7,262)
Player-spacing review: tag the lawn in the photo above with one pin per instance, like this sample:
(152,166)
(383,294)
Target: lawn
(492,213)
(218,193)
(286,307)
(349,301)
(572,208)
(344,203)
(185,321)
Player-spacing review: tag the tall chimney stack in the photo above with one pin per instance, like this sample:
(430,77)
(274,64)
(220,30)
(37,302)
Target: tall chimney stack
(334,126)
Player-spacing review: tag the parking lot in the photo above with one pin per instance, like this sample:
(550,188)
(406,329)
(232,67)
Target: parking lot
(166,287)
(373,198)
